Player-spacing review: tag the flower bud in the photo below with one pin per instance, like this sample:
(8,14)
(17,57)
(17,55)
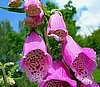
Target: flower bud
(15,3)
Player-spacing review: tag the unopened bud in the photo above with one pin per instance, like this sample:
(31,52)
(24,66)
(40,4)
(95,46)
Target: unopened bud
(10,81)
(15,3)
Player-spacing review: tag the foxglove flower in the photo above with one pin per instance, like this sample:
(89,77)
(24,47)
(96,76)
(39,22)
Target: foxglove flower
(56,27)
(35,61)
(32,7)
(58,76)
(15,3)
(81,61)
(34,21)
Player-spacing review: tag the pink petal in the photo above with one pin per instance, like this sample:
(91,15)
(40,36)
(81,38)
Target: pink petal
(40,72)
(36,60)
(32,7)
(56,27)
(70,50)
(83,66)
(89,52)
(33,42)
(94,84)
(34,21)
(58,72)
(81,61)
(23,65)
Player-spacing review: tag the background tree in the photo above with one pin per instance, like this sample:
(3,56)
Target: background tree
(93,41)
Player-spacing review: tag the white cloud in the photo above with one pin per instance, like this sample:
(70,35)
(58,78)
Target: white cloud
(89,19)
(60,3)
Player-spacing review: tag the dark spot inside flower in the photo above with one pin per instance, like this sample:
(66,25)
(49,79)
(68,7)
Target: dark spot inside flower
(33,68)
(35,71)
(37,67)
(32,73)
(29,68)
(80,70)
(56,83)
(41,68)
(85,72)
(60,33)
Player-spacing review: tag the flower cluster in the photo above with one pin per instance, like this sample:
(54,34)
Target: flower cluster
(33,9)
(76,65)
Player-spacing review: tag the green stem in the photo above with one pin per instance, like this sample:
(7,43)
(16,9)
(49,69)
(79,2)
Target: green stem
(47,42)
(4,74)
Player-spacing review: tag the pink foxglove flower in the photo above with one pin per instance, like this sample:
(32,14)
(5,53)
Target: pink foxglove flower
(32,7)
(56,27)
(34,21)
(15,3)
(58,76)
(36,61)
(81,61)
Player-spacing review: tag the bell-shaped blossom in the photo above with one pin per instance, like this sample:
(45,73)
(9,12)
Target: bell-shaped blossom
(15,3)
(81,61)
(56,27)
(58,76)
(32,7)
(34,21)
(35,61)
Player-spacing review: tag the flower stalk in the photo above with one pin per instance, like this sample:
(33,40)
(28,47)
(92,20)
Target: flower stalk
(47,42)
(4,74)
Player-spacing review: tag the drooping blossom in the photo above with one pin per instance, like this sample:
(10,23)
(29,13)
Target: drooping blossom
(33,21)
(32,7)
(56,27)
(81,61)
(58,76)
(35,61)
(15,3)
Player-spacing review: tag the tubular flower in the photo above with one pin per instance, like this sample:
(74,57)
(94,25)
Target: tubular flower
(81,61)
(15,3)
(58,76)
(33,21)
(36,61)
(32,7)
(56,27)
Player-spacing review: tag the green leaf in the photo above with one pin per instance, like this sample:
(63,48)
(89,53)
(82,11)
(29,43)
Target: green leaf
(18,10)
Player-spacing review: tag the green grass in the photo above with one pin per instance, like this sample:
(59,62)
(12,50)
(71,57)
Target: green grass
(96,75)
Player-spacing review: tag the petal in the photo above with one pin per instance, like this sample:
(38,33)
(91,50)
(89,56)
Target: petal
(38,64)
(83,66)
(57,78)
(89,52)
(23,65)
(34,21)
(36,77)
(94,84)
(58,72)
(59,69)
(70,50)
(33,42)
(32,7)
(81,61)
(57,27)
(48,60)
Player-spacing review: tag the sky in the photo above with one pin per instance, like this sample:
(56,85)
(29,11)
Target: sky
(87,16)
